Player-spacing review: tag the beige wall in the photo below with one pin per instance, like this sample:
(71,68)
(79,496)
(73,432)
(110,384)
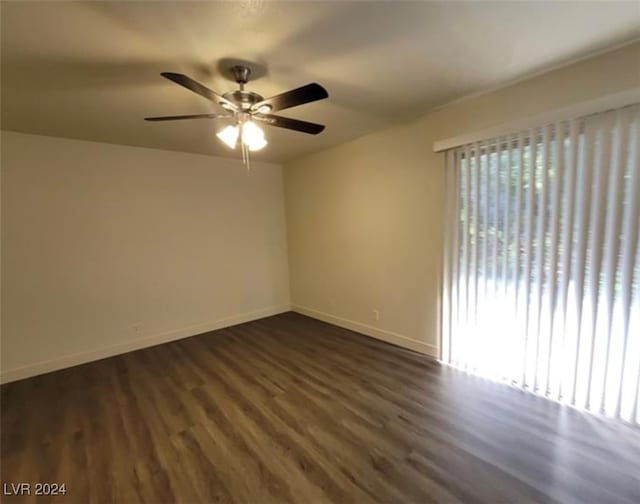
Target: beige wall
(99,238)
(365,219)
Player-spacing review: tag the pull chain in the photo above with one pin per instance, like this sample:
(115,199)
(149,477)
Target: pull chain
(245,156)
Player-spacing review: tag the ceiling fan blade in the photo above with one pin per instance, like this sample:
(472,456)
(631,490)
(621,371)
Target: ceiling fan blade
(198,88)
(288,123)
(299,96)
(181,117)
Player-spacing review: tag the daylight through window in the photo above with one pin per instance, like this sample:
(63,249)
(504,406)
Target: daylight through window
(542,274)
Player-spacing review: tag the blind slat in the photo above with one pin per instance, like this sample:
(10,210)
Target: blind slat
(465,249)
(540,249)
(496,214)
(486,190)
(597,218)
(613,228)
(476,247)
(558,163)
(528,256)
(517,231)
(581,231)
(630,238)
(568,210)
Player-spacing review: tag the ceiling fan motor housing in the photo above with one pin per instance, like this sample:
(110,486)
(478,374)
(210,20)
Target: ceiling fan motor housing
(244,99)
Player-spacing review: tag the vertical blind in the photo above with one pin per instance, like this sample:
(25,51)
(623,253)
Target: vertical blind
(542,262)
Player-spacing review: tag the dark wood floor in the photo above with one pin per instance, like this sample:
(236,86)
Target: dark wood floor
(288,409)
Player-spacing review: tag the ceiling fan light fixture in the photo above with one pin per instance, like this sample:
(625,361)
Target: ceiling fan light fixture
(253,136)
(258,144)
(229,136)
(264,109)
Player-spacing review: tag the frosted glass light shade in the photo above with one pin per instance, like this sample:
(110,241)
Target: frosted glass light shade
(229,136)
(253,136)
(257,144)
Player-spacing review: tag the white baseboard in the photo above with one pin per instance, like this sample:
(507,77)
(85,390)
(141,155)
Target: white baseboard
(66,361)
(374,332)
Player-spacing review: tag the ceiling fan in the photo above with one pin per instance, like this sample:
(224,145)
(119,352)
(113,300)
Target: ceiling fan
(244,108)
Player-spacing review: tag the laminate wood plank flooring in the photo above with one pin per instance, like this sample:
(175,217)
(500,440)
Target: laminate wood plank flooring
(289,409)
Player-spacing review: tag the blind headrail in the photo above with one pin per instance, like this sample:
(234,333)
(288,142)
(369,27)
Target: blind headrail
(601,104)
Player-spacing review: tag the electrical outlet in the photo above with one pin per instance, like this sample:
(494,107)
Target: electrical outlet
(136,328)
(376,315)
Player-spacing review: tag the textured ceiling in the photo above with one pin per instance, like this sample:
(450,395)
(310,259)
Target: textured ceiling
(90,70)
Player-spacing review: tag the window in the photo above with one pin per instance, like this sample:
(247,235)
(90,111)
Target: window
(542,269)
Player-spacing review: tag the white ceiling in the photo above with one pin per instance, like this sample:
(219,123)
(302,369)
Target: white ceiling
(90,70)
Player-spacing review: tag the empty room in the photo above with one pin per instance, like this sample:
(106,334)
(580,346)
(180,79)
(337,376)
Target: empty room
(320,252)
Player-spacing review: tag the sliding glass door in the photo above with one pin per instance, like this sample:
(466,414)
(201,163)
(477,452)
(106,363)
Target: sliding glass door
(542,273)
